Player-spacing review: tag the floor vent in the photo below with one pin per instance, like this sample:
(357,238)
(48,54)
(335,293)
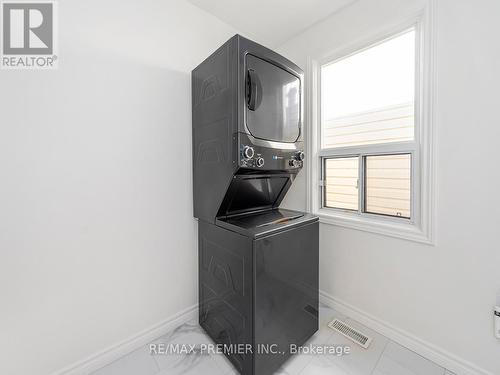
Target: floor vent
(351,333)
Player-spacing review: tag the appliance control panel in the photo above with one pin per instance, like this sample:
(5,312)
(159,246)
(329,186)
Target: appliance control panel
(269,158)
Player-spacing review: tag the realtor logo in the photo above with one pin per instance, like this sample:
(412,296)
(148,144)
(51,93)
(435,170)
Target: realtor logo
(28,35)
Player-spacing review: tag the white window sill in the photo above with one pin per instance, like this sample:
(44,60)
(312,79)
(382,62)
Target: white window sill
(391,227)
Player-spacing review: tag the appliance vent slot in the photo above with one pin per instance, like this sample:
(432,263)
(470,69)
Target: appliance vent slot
(351,333)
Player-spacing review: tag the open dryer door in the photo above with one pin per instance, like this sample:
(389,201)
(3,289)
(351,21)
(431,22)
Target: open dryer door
(252,192)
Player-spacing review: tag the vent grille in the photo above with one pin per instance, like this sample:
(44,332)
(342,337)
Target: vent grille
(351,333)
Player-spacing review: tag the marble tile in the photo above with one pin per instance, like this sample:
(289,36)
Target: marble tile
(294,365)
(194,362)
(323,366)
(448,372)
(137,362)
(383,357)
(201,367)
(359,361)
(224,365)
(398,360)
(298,362)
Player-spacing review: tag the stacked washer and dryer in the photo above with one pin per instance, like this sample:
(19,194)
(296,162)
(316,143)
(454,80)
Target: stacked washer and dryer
(258,263)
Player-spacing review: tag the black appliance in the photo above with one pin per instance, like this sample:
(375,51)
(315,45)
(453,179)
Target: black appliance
(258,264)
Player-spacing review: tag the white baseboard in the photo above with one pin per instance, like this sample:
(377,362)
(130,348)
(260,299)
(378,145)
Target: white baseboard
(408,340)
(118,350)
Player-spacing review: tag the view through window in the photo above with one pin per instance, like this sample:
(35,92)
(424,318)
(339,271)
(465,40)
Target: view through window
(368,128)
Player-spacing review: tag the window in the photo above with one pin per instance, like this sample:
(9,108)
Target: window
(341,187)
(367,100)
(368,97)
(369,132)
(388,185)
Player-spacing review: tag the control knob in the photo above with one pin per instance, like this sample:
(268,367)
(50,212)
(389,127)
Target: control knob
(248,152)
(293,163)
(259,162)
(300,155)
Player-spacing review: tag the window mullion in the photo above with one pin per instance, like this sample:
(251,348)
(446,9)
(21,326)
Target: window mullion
(361,185)
(322,183)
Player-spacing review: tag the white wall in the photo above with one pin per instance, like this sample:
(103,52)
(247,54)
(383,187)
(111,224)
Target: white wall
(442,294)
(97,238)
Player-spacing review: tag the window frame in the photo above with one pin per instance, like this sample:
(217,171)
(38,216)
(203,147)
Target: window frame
(419,227)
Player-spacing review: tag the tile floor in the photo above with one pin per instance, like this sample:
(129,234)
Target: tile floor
(383,357)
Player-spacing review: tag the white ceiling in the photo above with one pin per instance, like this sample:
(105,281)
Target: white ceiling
(270,22)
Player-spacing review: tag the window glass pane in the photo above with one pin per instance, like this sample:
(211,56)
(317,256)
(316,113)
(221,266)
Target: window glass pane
(388,185)
(341,183)
(368,97)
